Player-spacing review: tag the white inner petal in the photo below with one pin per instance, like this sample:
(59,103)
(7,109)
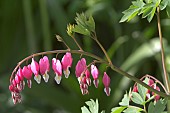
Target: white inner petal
(37,78)
(57,79)
(67,73)
(46,77)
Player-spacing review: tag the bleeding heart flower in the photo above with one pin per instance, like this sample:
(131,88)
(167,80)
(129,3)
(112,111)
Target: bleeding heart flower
(35,69)
(66,63)
(27,73)
(80,67)
(88,80)
(95,74)
(44,68)
(106,82)
(57,67)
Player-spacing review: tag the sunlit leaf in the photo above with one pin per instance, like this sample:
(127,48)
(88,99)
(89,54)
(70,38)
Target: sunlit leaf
(118,109)
(125,100)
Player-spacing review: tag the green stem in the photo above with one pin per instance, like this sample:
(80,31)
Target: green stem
(166,77)
(104,51)
(95,57)
(76,42)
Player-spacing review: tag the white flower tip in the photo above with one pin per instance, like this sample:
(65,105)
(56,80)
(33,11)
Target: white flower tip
(96,82)
(107,91)
(58,79)
(29,83)
(37,78)
(46,77)
(67,73)
(79,79)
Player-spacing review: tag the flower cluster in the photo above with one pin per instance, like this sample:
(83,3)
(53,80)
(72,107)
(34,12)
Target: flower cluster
(43,67)
(83,75)
(149,94)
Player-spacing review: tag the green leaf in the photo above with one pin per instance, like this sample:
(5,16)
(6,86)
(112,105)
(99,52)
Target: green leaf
(91,24)
(159,107)
(132,11)
(93,107)
(132,110)
(82,30)
(84,110)
(125,100)
(118,109)
(146,12)
(163,4)
(150,16)
(168,10)
(142,91)
(136,98)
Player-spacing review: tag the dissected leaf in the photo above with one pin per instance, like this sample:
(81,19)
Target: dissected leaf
(168,10)
(132,110)
(84,110)
(142,91)
(82,30)
(93,106)
(163,4)
(85,24)
(136,98)
(125,100)
(132,11)
(118,109)
(150,16)
(159,107)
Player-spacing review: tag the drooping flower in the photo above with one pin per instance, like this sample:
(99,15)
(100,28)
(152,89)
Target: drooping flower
(135,89)
(156,96)
(27,73)
(57,67)
(106,82)
(19,80)
(84,86)
(95,74)
(44,68)
(80,67)
(66,63)
(88,80)
(35,70)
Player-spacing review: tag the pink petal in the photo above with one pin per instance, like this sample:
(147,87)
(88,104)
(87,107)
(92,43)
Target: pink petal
(27,73)
(94,71)
(34,67)
(67,61)
(57,67)
(80,67)
(106,80)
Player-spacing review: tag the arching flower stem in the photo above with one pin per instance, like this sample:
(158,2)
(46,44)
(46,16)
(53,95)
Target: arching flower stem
(113,67)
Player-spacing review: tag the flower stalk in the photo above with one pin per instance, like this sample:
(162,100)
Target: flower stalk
(113,67)
(166,77)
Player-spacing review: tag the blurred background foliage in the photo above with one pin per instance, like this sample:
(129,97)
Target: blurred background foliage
(29,26)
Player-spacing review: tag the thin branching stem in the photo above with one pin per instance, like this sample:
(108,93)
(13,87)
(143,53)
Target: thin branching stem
(76,42)
(166,77)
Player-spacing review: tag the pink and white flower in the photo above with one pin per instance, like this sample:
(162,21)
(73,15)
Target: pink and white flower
(57,67)
(66,63)
(35,69)
(27,73)
(106,82)
(95,74)
(44,68)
